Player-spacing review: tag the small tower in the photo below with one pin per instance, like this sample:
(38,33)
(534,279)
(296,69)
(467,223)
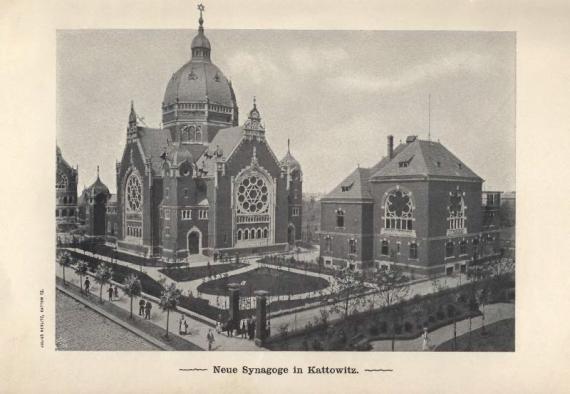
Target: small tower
(294,175)
(133,126)
(97,195)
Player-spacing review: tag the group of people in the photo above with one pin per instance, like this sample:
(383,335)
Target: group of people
(245,329)
(113,291)
(144,308)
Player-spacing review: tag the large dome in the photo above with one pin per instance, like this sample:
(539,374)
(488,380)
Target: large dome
(196,81)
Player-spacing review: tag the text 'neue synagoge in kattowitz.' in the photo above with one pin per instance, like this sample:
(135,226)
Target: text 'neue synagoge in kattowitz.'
(202,184)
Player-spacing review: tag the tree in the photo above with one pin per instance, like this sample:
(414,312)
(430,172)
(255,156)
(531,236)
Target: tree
(103,275)
(169,300)
(392,288)
(344,285)
(133,288)
(64,259)
(81,270)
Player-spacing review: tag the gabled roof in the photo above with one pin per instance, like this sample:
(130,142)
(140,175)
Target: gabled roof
(222,145)
(353,187)
(426,159)
(154,142)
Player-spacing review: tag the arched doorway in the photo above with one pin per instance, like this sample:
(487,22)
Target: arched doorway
(194,241)
(291,234)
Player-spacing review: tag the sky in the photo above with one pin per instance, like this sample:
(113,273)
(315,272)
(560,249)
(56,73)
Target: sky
(335,94)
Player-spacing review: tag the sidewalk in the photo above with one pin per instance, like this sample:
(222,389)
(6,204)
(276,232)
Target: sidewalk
(493,314)
(197,329)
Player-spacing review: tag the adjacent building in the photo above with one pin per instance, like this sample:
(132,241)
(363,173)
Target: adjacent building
(420,208)
(65,194)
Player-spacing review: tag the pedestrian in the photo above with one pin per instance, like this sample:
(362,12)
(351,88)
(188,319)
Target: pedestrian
(243,328)
(426,340)
(185,327)
(228,329)
(142,303)
(87,284)
(268,329)
(182,325)
(147,309)
(218,327)
(110,291)
(210,338)
(116,292)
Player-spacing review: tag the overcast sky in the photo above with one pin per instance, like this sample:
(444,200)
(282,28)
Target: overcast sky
(335,94)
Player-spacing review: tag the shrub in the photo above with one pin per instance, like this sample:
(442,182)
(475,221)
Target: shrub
(373,330)
(431,319)
(450,310)
(383,327)
(462,298)
(408,326)
(398,329)
(305,344)
(317,345)
(440,315)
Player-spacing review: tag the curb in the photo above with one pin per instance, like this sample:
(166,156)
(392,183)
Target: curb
(134,330)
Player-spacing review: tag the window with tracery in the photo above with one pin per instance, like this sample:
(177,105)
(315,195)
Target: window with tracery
(191,133)
(456,221)
(61,181)
(253,197)
(399,211)
(134,193)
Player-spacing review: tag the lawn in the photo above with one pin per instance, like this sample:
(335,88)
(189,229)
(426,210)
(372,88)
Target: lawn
(274,281)
(184,274)
(500,337)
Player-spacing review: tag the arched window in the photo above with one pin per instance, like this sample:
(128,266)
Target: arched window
(134,193)
(328,244)
(252,233)
(449,249)
(456,221)
(198,137)
(413,250)
(265,233)
(239,235)
(339,218)
(246,234)
(385,249)
(61,181)
(399,211)
(258,233)
(184,136)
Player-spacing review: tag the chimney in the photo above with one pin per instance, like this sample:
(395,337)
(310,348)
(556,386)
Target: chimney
(390,147)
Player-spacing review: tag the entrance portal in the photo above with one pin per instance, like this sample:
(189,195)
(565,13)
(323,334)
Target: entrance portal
(193,242)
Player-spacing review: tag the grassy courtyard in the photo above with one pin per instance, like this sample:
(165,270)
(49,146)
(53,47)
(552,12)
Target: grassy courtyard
(184,274)
(499,337)
(274,281)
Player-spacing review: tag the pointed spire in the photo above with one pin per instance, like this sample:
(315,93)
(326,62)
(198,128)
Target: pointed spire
(288,145)
(201,8)
(132,114)
(97,172)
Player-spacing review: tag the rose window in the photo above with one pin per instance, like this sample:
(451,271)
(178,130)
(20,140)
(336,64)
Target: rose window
(253,195)
(61,182)
(399,211)
(134,193)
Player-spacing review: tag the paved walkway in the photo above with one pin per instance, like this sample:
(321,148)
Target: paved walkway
(197,329)
(493,314)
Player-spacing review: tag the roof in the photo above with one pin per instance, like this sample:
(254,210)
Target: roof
(197,81)
(290,161)
(222,145)
(96,188)
(424,158)
(154,143)
(353,187)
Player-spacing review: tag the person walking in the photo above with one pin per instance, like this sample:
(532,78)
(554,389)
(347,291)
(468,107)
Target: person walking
(182,325)
(210,338)
(147,309)
(116,292)
(110,291)
(218,327)
(425,340)
(243,328)
(87,284)
(142,303)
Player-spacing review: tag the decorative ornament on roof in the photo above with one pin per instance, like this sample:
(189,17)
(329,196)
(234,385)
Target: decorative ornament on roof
(133,124)
(253,125)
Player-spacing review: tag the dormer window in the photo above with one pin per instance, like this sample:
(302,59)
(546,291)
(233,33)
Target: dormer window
(346,187)
(403,164)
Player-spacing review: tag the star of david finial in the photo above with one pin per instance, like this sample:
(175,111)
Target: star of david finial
(201,8)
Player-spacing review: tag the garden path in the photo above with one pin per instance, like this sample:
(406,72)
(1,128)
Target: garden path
(493,314)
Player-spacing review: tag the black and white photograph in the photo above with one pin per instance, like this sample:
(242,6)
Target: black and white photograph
(215,196)
(285,190)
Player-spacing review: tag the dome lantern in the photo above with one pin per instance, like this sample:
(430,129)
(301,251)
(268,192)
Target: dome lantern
(200,44)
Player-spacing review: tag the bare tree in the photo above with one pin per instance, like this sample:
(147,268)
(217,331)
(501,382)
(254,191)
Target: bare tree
(168,301)
(393,287)
(133,288)
(103,275)
(81,270)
